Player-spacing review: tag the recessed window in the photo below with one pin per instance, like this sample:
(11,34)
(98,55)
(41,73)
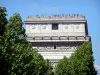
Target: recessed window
(54,47)
(54,26)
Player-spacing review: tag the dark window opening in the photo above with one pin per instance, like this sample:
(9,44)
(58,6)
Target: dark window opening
(54,26)
(54,47)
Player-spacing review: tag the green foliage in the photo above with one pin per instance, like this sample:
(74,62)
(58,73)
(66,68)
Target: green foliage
(19,56)
(49,68)
(17,23)
(80,63)
(62,67)
(82,60)
(3,20)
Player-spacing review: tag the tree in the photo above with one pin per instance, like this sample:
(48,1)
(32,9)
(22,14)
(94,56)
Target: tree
(3,20)
(20,58)
(62,67)
(81,62)
(49,68)
(3,23)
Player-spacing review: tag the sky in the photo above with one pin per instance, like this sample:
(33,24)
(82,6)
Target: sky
(89,8)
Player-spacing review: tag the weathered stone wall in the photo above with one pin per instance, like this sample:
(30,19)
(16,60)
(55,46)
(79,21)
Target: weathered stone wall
(63,29)
(56,50)
(51,43)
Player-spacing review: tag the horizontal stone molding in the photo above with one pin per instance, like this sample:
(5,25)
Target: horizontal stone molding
(56,56)
(56,34)
(58,38)
(54,21)
(61,50)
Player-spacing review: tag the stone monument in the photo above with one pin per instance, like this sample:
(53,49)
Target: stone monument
(56,36)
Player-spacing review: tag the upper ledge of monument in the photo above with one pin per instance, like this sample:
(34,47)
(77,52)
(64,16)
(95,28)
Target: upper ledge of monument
(56,17)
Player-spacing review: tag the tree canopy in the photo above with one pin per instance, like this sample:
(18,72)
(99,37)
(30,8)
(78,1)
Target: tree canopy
(19,56)
(62,67)
(80,62)
(3,20)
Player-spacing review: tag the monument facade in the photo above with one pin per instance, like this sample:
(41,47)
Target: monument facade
(56,36)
